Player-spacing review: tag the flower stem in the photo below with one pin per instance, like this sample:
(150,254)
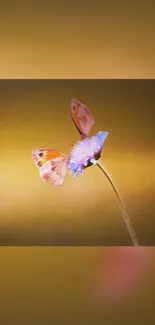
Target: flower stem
(124,213)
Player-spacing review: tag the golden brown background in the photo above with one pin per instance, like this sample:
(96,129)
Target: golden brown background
(77,39)
(106,39)
(84,211)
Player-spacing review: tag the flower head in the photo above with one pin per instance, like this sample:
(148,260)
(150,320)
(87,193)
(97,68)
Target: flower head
(86,152)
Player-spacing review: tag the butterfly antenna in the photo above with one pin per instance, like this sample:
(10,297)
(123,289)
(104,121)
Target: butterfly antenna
(124,213)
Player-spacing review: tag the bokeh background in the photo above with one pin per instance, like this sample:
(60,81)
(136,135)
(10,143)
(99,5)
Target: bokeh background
(84,211)
(57,39)
(77,39)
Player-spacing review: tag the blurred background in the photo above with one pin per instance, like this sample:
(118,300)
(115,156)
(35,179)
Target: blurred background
(77,285)
(57,39)
(36,113)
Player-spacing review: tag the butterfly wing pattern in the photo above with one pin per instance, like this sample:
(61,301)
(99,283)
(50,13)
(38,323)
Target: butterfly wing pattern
(82,117)
(52,165)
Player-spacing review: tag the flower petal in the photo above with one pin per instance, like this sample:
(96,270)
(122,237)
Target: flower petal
(86,151)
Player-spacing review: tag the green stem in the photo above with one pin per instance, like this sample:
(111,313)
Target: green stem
(124,213)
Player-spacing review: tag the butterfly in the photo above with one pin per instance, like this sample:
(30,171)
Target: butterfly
(82,117)
(53,164)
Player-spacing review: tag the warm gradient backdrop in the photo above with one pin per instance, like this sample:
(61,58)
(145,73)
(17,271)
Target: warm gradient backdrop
(72,286)
(52,285)
(83,211)
(77,39)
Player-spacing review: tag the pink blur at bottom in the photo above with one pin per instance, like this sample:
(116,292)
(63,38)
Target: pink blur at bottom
(120,273)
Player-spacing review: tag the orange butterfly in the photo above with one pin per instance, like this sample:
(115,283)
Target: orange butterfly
(53,164)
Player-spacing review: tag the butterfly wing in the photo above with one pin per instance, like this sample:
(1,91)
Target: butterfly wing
(52,165)
(82,117)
